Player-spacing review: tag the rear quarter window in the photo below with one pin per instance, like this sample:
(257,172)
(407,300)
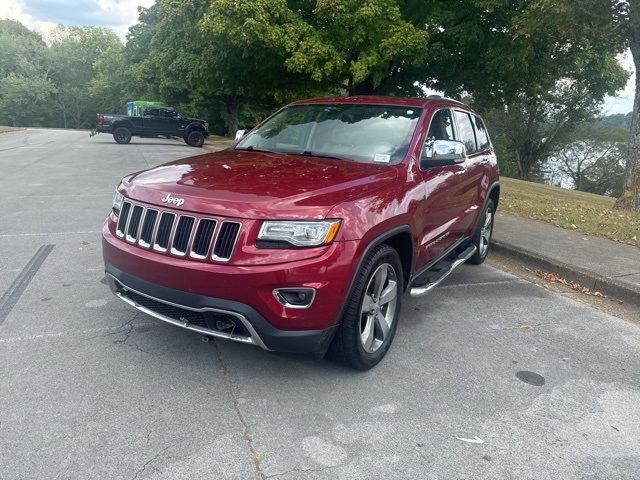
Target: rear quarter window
(465,131)
(481,134)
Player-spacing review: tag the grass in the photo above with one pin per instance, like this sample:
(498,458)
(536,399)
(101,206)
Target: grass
(585,212)
(9,129)
(216,139)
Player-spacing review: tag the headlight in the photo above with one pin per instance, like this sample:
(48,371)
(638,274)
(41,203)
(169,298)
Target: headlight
(117,203)
(300,233)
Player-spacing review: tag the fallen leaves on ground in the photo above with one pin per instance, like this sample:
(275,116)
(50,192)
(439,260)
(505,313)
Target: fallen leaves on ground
(553,278)
(570,209)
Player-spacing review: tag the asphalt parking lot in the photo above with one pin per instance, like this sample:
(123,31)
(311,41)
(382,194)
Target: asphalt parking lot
(489,376)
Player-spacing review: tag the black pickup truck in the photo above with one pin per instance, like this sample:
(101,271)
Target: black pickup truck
(152,123)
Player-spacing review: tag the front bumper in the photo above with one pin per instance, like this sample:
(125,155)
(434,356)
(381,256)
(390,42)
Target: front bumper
(239,291)
(201,314)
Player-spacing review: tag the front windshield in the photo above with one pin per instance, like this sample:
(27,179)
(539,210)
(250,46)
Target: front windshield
(361,133)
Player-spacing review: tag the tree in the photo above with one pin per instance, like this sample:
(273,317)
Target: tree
(25,87)
(360,46)
(630,198)
(25,100)
(622,18)
(246,45)
(112,84)
(594,159)
(497,50)
(73,56)
(531,129)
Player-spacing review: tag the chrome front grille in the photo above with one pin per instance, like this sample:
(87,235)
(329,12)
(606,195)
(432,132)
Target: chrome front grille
(182,235)
(226,241)
(202,238)
(148,225)
(133,225)
(163,235)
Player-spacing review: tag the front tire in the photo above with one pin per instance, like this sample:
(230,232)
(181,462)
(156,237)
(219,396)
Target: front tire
(369,323)
(483,234)
(195,138)
(122,135)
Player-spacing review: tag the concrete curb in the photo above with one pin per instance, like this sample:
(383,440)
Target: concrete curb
(609,286)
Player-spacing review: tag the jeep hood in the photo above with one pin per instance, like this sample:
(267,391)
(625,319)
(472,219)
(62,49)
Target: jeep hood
(258,185)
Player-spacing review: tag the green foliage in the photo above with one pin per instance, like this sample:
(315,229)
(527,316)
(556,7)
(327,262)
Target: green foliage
(360,46)
(73,56)
(500,50)
(25,88)
(25,100)
(245,46)
(593,159)
(619,121)
(530,129)
(531,65)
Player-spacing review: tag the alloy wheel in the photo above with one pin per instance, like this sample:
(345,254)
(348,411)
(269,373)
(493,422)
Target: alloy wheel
(485,232)
(378,307)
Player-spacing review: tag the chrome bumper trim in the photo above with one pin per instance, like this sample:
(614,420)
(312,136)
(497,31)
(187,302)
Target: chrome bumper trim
(253,339)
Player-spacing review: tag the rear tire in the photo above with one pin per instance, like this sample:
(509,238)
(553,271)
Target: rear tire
(195,138)
(370,320)
(122,135)
(483,234)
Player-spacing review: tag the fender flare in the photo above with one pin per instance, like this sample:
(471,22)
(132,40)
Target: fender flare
(491,188)
(194,126)
(370,246)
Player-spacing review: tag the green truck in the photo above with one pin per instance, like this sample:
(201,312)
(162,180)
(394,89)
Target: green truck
(134,109)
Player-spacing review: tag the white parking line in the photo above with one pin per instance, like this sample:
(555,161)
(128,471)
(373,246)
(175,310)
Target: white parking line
(44,336)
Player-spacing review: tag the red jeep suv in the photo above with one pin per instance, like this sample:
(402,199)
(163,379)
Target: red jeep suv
(304,236)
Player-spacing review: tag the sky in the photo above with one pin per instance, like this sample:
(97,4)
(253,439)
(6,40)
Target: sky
(119,15)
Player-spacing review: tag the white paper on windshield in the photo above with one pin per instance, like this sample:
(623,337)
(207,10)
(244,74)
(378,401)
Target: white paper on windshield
(382,158)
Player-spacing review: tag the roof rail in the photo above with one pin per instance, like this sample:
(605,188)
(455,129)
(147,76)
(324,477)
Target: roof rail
(440,97)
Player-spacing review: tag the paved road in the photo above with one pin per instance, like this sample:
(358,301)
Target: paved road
(89,389)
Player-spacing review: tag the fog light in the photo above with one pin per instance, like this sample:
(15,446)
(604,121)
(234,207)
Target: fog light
(295,297)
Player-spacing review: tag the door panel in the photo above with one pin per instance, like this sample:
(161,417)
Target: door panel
(440,210)
(469,179)
(151,121)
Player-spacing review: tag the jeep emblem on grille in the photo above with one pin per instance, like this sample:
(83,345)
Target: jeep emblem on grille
(175,200)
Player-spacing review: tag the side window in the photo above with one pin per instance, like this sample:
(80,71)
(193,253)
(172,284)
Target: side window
(441,127)
(465,131)
(481,134)
(152,112)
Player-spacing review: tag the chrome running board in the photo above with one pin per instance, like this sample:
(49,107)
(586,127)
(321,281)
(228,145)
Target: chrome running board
(421,290)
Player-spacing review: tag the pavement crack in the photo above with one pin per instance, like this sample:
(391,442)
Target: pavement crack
(141,470)
(304,470)
(256,457)
(124,327)
(127,329)
(149,431)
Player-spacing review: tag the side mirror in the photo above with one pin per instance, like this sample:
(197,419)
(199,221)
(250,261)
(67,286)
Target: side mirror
(240,134)
(439,153)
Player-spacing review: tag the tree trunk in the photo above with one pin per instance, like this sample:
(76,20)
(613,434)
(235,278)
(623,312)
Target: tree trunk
(232,115)
(630,198)
(524,164)
(364,88)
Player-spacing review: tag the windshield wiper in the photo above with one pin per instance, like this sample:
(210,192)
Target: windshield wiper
(251,148)
(309,153)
